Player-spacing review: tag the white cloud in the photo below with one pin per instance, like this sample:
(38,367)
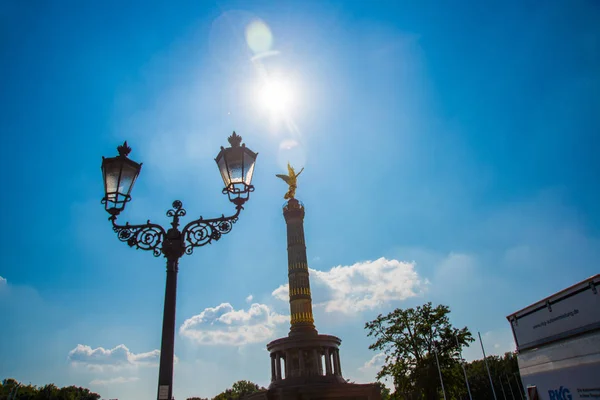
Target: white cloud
(375,363)
(118,357)
(282,292)
(114,381)
(249,298)
(362,286)
(369,370)
(2,281)
(223,325)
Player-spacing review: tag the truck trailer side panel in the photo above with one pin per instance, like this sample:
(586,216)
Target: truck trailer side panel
(564,370)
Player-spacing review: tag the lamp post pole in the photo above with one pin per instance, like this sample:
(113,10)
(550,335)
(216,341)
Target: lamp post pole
(237,166)
(173,250)
(167,345)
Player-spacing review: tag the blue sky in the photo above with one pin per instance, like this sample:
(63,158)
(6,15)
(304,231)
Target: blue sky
(450,155)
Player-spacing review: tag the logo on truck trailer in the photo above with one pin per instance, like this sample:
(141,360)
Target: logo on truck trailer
(561,393)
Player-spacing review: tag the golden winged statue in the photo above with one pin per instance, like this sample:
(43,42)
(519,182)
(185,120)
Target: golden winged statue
(290,179)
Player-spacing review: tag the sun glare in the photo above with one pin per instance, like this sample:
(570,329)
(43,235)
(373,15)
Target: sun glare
(276,96)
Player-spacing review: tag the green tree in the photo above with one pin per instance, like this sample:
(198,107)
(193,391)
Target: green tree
(504,370)
(238,390)
(242,388)
(385,392)
(10,389)
(7,387)
(408,338)
(49,391)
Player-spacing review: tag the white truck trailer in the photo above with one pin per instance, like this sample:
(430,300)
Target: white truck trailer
(558,343)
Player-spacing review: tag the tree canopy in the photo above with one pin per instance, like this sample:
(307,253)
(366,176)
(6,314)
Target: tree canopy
(505,376)
(11,389)
(238,390)
(410,338)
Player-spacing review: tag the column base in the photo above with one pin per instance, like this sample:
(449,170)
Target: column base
(306,368)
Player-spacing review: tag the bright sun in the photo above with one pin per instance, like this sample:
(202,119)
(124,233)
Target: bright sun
(276,96)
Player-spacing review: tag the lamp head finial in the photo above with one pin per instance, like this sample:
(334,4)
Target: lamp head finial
(235,140)
(124,149)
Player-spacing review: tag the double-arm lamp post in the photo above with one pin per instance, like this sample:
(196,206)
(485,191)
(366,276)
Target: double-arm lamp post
(236,164)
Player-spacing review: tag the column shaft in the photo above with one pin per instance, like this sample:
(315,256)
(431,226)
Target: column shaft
(316,361)
(278,366)
(288,364)
(336,364)
(273,369)
(298,278)
(327,362)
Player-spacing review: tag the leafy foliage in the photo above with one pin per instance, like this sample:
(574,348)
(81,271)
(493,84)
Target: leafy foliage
(238,390)
(384,391)
(505,376)
(11,389)
(408,339)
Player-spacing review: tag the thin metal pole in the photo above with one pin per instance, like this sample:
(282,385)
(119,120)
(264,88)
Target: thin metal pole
(519,386)
(502,387)
(13,393)
(439,369)
(167,346)
(510,387)
(462,364)
(487,367)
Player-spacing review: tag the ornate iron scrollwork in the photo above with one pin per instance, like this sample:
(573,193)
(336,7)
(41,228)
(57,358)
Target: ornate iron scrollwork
(177,210)
(146,237)
(195,234)
(201,232)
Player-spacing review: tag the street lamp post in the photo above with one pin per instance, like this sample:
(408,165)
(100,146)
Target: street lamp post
(236,164)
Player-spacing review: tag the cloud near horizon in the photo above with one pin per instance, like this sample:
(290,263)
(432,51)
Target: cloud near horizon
(223,325)
(117,357)
(114,381)
(362,286)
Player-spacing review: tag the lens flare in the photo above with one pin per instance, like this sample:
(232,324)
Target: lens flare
(292,151)
(259,37)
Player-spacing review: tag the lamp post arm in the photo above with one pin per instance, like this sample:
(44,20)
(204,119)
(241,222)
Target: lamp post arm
(203,231)
(147,236)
